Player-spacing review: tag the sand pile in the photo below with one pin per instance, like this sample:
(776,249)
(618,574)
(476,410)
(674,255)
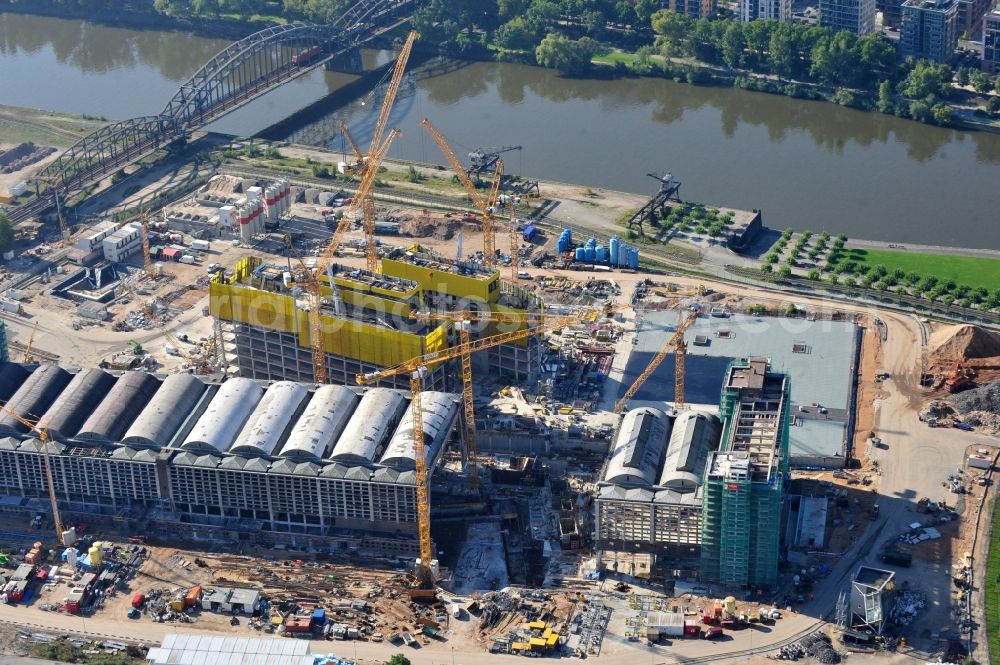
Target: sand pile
(977,347)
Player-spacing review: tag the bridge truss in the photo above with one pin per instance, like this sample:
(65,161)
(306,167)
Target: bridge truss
(243,71)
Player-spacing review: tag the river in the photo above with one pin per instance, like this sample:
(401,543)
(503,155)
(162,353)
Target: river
(808,165)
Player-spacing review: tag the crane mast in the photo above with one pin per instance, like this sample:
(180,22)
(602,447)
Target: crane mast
(43,436)
(312,278)
(416,368)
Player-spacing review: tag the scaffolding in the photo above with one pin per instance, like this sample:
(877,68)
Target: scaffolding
(744,484)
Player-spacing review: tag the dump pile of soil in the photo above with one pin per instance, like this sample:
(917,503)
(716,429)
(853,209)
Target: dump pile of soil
(423,226)
(977,347)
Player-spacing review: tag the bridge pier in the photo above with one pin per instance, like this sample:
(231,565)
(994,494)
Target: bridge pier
(347,63)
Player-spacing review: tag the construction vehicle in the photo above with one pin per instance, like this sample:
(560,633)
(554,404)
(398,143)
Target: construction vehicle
(418,367)
(486,206)
(676,342)
(960,378)
(43,436)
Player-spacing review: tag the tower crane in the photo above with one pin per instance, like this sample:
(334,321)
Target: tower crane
(676,342)
(366,163)
(43,436)
(313,277)
(417,368)
(485,206)
(31,340)
(359,158)
(463,321)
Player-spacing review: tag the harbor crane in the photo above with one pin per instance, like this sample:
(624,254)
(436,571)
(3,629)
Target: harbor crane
(675,342)
(417,368)
(43,436)
(483,160)
(486,206)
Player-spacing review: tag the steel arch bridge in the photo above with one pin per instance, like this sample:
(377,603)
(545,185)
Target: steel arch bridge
(245,70)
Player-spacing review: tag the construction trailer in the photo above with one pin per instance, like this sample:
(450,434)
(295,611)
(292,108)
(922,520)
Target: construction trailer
(745,478)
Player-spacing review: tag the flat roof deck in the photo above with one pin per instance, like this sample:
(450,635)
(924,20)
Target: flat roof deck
(820,373)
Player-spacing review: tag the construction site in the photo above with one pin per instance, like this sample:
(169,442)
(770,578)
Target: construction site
(269,407)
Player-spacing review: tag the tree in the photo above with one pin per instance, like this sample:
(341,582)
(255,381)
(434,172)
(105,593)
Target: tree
(570,57)
(733,45)
(962,76)
(781,50)
(398,659)
(517,34)
(671,30)
(993,105)
(980,82)
(6,233)
(886,100)
(920,111)
(926,79)
(644,10)
(943,114)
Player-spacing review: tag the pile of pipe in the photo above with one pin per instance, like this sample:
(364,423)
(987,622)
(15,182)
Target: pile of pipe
(908,605)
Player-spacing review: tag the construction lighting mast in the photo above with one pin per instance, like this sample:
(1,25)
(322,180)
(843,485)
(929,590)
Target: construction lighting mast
(417,368)
(676,342)
(43,436)
(485,206)
(312,278)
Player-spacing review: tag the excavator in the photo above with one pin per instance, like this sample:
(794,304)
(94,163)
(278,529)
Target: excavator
(960,378)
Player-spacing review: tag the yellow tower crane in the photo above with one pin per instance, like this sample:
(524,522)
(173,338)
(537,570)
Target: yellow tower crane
(43,436)
(463,321)
(31,340)
(366,162)
(417,368)
(314,277)
(485,206)
(676,342)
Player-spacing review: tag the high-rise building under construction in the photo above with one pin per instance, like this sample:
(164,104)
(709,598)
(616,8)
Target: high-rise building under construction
(367,319)
(744,481)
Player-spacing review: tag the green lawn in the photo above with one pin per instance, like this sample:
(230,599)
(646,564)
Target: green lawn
(969,270)
(992,588)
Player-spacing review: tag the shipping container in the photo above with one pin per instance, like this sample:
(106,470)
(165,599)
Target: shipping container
(193,596)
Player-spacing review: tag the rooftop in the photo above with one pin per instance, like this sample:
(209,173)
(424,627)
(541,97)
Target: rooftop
(756,418)
(873,577)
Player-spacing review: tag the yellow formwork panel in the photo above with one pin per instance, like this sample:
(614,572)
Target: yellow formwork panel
(263,309)
(481,288)
(343,337)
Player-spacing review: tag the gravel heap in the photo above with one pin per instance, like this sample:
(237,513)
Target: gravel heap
(980,406)
(816,646)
